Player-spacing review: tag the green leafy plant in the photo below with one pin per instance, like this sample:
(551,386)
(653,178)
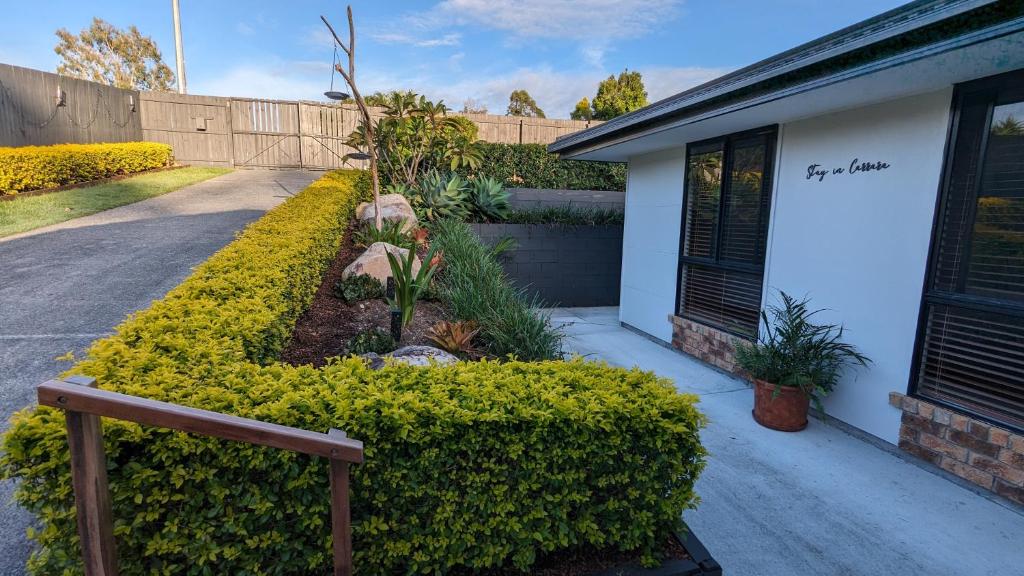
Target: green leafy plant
(36,167)
(390,231)
(409,283)
(625,444)
(456,337)
(568,216)
(416,135)
(793,351)
(373,340)
(358,288)
(532,166)
(503,245)
(442,196)
(489,199)
(473,286)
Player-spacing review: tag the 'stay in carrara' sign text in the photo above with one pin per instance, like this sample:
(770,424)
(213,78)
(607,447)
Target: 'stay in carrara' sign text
(819,172)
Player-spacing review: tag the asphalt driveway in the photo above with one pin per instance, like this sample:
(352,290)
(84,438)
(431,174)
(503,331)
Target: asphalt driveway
(63,286)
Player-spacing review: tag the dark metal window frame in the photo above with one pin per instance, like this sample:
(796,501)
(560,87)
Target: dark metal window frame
(771,134)
(930,296)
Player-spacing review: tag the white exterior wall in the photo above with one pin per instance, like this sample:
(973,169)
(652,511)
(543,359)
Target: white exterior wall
(857,244)
(650,241)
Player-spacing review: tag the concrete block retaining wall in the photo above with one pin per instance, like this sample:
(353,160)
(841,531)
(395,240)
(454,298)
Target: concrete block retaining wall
(564,265)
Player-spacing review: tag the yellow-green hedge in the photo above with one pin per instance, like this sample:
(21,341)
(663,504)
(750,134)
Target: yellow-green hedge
(468,466)
(38,167)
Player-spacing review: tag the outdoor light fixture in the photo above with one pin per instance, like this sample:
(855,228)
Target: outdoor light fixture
(61,97)
(131,103)
(336,95)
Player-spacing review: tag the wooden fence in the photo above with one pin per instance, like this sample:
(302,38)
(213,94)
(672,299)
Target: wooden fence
(258,133)
(33,112)
(211,130)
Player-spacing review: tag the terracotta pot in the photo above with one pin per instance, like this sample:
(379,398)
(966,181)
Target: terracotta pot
(787,411)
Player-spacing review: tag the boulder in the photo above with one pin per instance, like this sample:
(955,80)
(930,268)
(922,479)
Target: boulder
(392,207)
(413,356)
(375,262)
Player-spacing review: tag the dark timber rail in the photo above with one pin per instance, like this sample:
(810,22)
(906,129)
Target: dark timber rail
(84,404)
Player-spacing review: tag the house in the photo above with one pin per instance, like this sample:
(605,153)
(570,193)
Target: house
(878,170)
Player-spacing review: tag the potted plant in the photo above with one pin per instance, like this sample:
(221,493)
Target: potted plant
(793,362)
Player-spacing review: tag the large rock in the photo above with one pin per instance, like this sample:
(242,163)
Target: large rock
(413,356)
(392,207)
(375,262)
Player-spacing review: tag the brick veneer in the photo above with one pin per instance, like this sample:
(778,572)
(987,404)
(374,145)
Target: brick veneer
(713,346)
(986,455)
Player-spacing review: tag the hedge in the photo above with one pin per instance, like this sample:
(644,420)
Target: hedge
(37,167)
(532,166)
(472,465)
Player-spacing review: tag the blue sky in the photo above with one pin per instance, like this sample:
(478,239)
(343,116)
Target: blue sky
(450,49)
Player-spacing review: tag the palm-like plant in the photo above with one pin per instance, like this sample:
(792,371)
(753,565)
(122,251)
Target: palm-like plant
(793,351)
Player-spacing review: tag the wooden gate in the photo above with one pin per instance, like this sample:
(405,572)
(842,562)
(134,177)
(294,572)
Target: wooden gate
(265,134)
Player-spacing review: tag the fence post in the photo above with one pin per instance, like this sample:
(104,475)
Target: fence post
(341,519)
(92,496)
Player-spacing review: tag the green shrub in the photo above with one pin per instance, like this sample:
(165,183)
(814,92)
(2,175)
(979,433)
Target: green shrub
(358,288)
(37,167)
(372,340)
(390,231)
(532,166)
(568,216)
(467,466)
(473,286)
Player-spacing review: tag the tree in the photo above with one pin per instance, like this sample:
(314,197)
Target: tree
(379,98)
(471,106)
(617,96)
(582,111)
(122,58)
(520,103)
(1009,126)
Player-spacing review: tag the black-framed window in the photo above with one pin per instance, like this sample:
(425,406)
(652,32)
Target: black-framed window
(724,230)
(970,349)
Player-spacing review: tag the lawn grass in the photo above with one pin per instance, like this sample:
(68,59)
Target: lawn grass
(30,212)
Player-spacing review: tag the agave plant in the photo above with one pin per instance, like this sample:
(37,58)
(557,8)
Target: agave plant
(456,337)
(442,196)
(489,199)
(400,188)
(390,231)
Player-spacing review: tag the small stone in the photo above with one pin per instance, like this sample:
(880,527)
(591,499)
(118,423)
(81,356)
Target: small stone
(393,207)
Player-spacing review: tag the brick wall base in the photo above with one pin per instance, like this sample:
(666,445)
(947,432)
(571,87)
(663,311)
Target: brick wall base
(976,451)
(705,343)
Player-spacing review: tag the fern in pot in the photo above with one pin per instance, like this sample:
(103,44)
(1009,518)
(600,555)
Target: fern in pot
(795,361)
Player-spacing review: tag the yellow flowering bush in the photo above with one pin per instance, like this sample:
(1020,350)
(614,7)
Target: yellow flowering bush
(38,167)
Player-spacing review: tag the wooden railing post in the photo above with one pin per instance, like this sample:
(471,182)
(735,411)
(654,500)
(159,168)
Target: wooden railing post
(92,496)
(341,519)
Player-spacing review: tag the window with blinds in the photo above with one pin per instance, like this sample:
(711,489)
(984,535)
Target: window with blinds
(971,347)
(725,220)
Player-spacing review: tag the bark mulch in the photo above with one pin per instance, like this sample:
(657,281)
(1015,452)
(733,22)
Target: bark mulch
(324,329)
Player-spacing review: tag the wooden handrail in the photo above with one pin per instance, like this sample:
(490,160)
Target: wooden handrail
(84,404)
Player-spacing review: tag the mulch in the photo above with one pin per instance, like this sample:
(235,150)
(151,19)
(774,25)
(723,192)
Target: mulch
(324,329)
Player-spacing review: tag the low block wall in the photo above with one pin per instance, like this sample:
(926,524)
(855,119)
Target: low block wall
(564,265)
(705,343)
(526,198)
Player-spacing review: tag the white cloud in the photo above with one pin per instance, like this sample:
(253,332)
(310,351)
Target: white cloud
(244,29)
(296,80)
(393,38)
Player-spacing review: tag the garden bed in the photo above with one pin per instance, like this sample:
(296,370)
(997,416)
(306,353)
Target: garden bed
(325,328)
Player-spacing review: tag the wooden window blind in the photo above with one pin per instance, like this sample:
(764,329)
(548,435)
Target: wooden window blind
(725,220)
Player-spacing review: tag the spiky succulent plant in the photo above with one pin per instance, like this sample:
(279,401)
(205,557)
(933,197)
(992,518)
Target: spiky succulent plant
(442,196)
(489,199)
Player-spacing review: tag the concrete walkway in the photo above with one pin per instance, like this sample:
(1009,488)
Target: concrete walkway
(819,502)
(63,286)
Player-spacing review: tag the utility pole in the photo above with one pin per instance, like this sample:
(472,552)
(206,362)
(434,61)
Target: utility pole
(179,53)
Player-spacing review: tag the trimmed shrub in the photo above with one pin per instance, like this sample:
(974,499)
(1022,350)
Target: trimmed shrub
(532,166)
(474,287)
(473,465)
(37,167)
